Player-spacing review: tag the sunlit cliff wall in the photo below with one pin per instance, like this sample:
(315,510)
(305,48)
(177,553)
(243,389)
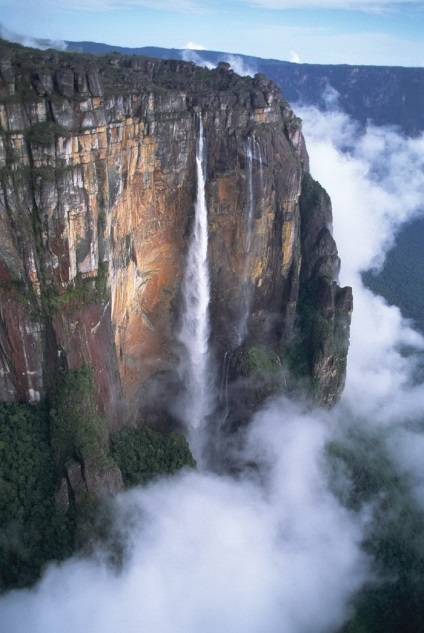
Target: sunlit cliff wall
(97,168)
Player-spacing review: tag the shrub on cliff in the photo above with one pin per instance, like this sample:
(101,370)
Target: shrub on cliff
(76,427)
(143,454)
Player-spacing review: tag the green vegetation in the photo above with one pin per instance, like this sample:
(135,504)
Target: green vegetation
(32,529)
(402,278)
(263,362)
(18,290)
(313,327)
(76,427)
(143,454)
(394,539)
(80,293)
(44,133)
(37,446)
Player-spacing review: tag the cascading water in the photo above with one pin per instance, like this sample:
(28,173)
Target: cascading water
(196,401)
(258,156)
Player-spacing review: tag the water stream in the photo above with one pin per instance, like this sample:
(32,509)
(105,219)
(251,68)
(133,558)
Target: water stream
(196,401)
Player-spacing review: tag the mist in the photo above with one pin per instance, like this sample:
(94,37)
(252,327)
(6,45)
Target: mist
(279,546)
(236,62)
(25,40)
(264,551)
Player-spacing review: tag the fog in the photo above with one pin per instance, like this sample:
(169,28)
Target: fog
(237,63)
(277,547)
(30,41)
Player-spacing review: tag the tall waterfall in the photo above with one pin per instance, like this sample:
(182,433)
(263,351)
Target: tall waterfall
(194,331)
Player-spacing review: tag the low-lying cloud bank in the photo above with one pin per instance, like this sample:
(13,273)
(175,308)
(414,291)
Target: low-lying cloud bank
(375,178)
(209,553)
(277,548)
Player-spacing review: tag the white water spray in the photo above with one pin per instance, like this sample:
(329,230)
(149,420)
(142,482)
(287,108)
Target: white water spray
(258,156)
(195,329)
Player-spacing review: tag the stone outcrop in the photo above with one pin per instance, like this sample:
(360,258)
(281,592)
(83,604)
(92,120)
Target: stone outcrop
(97,166)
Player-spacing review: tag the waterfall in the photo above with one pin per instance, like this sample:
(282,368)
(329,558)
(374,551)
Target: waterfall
(258,156)
(195,403)
(250,197)
(223,391)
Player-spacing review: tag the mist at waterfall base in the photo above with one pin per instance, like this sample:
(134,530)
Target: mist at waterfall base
(276,548)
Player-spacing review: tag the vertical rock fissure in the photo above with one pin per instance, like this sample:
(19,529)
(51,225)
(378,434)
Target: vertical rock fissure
(252,153)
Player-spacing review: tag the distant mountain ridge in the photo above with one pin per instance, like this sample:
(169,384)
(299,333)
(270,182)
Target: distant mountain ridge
(385,95)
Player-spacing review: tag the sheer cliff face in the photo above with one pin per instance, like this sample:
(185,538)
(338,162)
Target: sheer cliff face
(97,165)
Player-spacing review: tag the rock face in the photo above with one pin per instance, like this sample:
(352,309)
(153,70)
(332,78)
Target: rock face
(384,95)
(97,167)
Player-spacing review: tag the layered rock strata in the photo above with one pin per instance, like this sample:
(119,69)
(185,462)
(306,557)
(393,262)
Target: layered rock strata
(97,166)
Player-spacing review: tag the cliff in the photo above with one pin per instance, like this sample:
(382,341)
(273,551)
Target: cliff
(97,172)
(384,95)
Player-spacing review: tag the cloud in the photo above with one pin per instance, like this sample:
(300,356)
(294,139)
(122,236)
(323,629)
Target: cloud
(189,55)
(194,47)
(112,5)
(10,36)
(237,63)
(240,66)
(294,57)
(357,5)
(209,553)
(375,178)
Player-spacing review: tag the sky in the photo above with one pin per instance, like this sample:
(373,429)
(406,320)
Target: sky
(378,32)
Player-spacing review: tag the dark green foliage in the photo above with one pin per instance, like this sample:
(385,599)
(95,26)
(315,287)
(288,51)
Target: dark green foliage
(314,329)
(262,361)
(311,194)
(76,427)
(24,293)
(45,133)
(143,454)
(32,530)
(394,603)
(402,278)
(79,294)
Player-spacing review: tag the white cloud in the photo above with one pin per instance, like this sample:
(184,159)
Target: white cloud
(29,41)
(189,55)
(239,65)
(236,62)
(376,182)
(209,553)
(113,5)
(357,5)
(294,57)
(194,47)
